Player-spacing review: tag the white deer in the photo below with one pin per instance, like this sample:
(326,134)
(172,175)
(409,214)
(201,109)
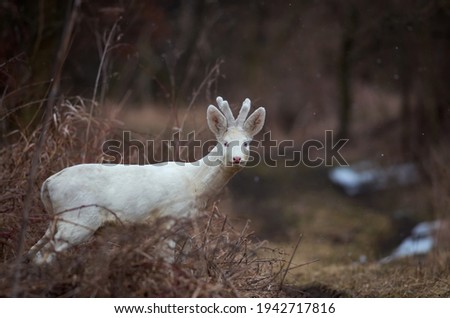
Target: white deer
(84,197)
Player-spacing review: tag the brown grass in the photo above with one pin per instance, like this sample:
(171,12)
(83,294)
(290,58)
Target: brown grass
(411,277)
(212,259)
(62,148)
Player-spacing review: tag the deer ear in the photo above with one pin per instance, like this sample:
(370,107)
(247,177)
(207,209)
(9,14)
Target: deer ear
(255,122)
(216,121)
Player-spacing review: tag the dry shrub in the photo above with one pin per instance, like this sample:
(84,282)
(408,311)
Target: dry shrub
(211,259)
(65,145)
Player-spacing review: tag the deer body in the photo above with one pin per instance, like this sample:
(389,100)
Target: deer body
(84,197)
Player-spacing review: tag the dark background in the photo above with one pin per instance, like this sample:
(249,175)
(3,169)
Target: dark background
(304,60)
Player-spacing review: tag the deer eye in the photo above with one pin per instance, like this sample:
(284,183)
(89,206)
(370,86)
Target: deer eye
(245,144)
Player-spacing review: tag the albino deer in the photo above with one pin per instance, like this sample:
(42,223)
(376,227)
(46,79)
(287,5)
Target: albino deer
(84,197)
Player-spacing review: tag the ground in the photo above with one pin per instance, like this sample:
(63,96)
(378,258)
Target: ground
(342,238)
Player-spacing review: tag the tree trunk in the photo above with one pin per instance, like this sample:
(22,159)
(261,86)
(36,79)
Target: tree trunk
(344,72)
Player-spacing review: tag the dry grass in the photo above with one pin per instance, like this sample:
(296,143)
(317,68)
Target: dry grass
(413,277)
(63,147)
(212,258)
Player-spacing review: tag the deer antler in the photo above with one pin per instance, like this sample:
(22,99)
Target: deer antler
(226,110)
(243,113)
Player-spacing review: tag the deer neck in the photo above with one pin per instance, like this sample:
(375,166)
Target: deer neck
(213,174)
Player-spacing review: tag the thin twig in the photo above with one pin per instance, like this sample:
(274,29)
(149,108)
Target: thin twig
(197,91)
(15,109)
(14,58)
(205,237)
(304,264)
(89,206)
(290,261)
(97,80)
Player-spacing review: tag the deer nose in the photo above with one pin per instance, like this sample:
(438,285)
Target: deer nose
(237,159)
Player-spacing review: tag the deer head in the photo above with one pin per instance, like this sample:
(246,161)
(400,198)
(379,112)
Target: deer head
(234,134)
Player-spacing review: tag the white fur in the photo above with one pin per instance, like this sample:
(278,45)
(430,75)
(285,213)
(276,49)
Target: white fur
(84,197)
